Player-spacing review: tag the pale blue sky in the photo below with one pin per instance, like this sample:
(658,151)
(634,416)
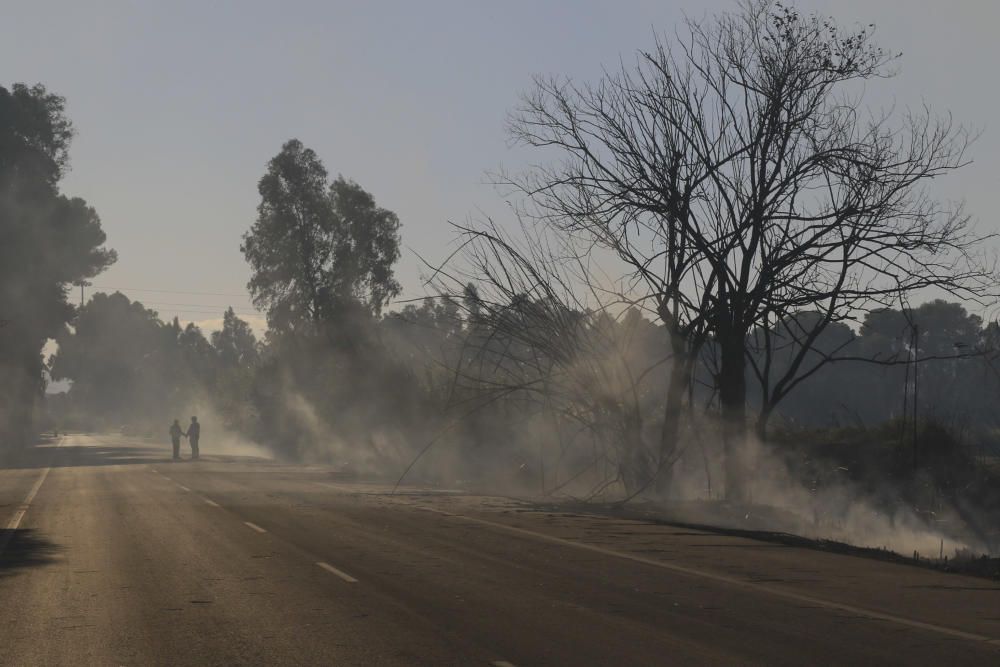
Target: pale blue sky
(179,105)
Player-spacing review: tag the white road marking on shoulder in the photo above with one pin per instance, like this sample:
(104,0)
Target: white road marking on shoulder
(340,573)
(210,502)
(255,527)
(733,581)
(335,487)
(15,520)
(34,488)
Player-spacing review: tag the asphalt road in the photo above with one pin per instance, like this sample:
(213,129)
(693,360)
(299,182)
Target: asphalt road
(113,555)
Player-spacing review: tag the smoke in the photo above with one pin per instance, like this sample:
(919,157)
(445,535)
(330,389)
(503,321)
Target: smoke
(319,443)
(783,499)
(217,437)
(442,397)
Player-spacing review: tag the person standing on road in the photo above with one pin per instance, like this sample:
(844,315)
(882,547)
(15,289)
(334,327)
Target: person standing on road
(193,435)
(175,438)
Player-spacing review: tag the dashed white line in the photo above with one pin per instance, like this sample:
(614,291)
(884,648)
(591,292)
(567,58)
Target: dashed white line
(209,501)
(340,573)
(255,527)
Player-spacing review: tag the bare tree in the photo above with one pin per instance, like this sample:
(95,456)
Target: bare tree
(737,173)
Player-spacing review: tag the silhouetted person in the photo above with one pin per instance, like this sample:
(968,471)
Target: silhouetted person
(193,435)
(175,438)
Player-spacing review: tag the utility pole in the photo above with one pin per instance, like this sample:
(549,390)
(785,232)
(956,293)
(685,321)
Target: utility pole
(82,284)
(916,351)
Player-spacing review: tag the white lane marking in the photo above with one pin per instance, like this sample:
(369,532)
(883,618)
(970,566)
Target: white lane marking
(34,489)
(502,663)
(255,527)
(733,581)
(211,502)
(340,573)
(15,520)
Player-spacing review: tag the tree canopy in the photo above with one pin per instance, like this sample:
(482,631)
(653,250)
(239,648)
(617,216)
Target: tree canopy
(49,241)
(318,249)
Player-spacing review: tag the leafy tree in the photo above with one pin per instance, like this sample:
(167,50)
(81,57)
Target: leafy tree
(116,358)
(365,248)
(317,249)
(235,344)
(130,367)
(238,358)
(49,241)
(197,358)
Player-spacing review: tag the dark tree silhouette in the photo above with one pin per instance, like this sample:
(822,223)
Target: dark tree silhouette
(47,242)
(128,366)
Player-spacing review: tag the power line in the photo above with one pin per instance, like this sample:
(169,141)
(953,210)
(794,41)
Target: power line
(207,313)
(210,312)
(196,305)
(187,308)
(245,295)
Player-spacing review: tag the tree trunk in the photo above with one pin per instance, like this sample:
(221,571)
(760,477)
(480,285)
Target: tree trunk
(760,428)
(673,410)
(638,469)
(732,398)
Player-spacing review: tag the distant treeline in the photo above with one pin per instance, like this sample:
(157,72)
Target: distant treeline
(398,376)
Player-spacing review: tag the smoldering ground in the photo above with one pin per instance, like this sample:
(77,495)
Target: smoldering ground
(787,499)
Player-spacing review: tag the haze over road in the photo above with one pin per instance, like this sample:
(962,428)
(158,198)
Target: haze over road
(113,555)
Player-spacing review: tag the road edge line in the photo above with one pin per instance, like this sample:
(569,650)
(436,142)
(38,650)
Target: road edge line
(22,509)
(733,581)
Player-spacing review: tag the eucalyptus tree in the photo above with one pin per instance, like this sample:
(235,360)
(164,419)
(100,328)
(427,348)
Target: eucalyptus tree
(318,249)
